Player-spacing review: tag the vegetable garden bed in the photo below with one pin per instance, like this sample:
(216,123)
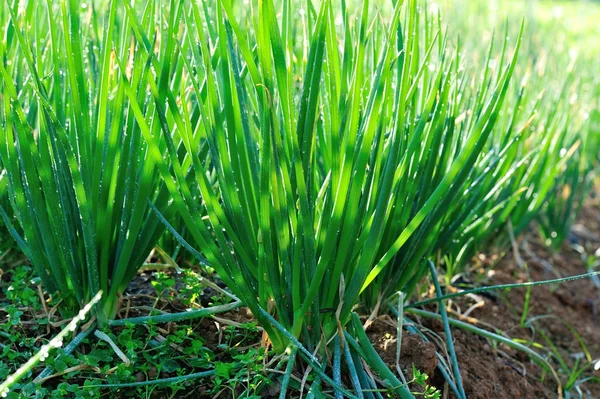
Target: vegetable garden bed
(305,198)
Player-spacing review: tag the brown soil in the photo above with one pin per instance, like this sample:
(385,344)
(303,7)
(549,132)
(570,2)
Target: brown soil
(490,371)
(415,351)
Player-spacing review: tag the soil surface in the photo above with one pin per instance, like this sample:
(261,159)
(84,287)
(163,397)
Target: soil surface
(563,316)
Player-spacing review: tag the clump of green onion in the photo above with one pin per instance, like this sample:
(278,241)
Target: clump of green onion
(311,142)
(78,171)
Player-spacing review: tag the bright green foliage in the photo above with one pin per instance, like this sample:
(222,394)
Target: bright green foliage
(544,142)
(320,151)
(573,185)
(79,174)
(524,159)
(463,219)
(564,203)
(4,202)
(555,99)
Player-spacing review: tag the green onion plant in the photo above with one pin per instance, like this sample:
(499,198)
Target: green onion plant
(79,174)
(321,147)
